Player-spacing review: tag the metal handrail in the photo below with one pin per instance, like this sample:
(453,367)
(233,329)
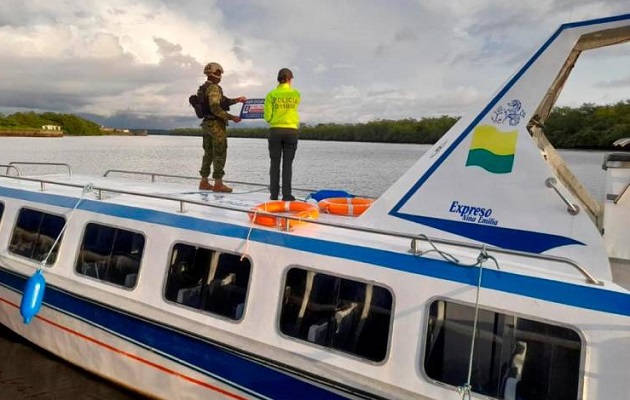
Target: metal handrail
(7,166)
(414,238)
(153,175)
(572,209)
(43,163)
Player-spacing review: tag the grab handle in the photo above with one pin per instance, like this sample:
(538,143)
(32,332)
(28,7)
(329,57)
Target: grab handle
(573,209)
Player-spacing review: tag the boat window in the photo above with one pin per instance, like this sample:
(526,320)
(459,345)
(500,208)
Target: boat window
(343,314)
(1,210)
(35,233)
(110,254)
(514,358)
(208,280)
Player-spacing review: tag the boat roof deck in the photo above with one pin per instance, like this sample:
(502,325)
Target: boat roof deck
(169,196)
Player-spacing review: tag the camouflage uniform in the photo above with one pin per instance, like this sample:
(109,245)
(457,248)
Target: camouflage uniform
(214,129)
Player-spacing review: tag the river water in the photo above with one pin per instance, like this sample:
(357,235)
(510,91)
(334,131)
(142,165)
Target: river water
(368,169)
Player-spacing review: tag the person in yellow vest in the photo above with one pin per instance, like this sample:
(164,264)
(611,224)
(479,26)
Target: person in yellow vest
(281,113)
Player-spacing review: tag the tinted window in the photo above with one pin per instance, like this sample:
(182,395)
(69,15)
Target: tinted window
(35,233)
(110,254)
(339,313)
(1,210)
(208,280)
(514,358)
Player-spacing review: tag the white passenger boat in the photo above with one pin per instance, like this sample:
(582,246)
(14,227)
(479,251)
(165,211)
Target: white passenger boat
(485,271)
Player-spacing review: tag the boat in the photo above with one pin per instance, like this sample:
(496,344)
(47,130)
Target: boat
(486,271)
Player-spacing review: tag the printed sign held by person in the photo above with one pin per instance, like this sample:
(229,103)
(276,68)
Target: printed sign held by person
(253,109)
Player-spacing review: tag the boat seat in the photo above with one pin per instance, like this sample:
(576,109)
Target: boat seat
(130,280)
(217,283)
(22,242)
(344,321)
(317,333)
(365,310)
(45,243)
(95,269)
(121,267)
(90,256)
(310,276)
(515,371)
(125,263)
(220,297)
(238,312)
(190,296)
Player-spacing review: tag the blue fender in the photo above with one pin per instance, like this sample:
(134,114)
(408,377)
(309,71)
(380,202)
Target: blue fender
(33,296)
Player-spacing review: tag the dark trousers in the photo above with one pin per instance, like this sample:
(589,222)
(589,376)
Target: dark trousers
(282,145)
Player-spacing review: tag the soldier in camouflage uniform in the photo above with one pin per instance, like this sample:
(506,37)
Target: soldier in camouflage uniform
(214,126)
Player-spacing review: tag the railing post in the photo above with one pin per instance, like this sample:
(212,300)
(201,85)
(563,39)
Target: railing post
(414,246)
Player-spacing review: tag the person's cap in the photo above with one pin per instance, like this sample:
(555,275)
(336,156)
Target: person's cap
(284,75)
(214,69)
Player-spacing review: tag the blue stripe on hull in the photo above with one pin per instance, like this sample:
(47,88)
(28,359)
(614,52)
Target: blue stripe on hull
(588,297)
(218,362)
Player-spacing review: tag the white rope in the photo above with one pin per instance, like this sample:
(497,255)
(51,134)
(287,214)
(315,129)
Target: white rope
(88,188)
(483,255)
(466,389)
(251,228)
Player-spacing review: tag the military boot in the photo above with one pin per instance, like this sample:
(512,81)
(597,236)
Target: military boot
(205,185)
(220,187)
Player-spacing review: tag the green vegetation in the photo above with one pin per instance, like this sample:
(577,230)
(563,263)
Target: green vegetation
(426,130)
(586,127)
(71,124)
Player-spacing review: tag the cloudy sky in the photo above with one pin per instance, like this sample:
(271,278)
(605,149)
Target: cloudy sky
(133,63)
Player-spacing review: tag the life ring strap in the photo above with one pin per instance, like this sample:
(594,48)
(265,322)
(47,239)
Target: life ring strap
(299,209)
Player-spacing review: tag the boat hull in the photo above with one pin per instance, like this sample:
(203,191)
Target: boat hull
(149,358)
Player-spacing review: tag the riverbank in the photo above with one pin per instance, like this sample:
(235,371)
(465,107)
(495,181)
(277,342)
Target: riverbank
(56,134)
(29,133)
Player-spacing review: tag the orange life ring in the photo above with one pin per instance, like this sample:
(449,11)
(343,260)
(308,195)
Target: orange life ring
(299,209)
(345,205)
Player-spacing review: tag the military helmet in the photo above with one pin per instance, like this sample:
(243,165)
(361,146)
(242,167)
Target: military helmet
(214,69)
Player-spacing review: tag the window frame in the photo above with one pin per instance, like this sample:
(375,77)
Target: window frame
(333,350)
(2,209)
(59,243)
(215,252)
(422,343)
(103,281)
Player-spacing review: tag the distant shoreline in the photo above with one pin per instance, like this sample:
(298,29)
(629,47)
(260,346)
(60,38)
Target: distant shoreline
(29,133)
(56,134)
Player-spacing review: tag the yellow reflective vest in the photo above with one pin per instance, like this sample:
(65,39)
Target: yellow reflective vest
(281,106)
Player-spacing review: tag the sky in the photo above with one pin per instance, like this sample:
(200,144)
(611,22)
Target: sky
(133,63)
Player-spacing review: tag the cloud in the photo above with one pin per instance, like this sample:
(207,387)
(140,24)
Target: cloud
(133,63)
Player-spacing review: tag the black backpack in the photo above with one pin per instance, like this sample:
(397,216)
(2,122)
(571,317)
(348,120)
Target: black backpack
(199,102)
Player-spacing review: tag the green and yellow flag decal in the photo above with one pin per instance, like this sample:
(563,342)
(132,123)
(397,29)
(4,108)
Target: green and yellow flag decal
(492,149)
